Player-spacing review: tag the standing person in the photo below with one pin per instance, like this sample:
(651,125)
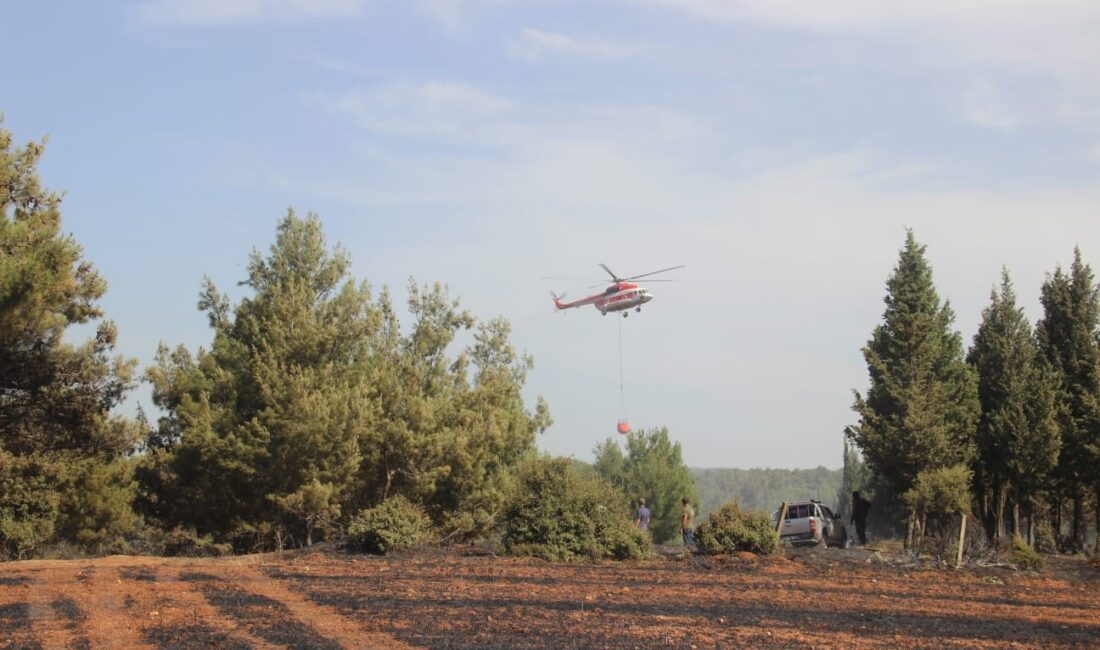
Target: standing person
(687,523)
(860,508)
(641,517)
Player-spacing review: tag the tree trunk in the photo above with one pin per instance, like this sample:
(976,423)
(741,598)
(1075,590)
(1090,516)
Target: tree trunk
(962,541)
(1015,519)
(985,509)
(1030,509)
(1056,517)
(1096,511)
(1000,496)
(389,483)
(910,525)
(1078,521)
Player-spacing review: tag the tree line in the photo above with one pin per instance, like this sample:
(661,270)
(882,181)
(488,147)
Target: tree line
(1008,430)
(314,402)
(765,489)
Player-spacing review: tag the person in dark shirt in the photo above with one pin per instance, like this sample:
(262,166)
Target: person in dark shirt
(641,517)
(860,508)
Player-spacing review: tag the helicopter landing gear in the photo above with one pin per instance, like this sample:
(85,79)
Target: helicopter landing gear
(638,309)
(604,312)
(625,314)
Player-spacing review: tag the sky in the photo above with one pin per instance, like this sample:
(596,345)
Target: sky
(778,149)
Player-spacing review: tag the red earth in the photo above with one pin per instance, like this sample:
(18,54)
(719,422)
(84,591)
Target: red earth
(461,598)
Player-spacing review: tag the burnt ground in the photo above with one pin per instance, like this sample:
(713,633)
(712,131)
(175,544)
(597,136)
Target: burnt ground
(330,600)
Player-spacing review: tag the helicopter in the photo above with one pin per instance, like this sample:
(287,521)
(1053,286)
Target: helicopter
(623,295)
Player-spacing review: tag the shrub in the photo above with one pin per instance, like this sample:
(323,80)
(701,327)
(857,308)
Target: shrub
(313,508)
(936,501)
(29,504)
(1045,539)
(97,511)
(555,513)
(941,491)
(188,543)
(1024,556)
(396,523)
(730,529)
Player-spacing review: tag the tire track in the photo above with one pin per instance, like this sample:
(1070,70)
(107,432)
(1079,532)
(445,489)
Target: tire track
(327,620)
(176,616)
(67,609)
(15,613)
(264,617)
(55,618)
(15,628)
(109,623)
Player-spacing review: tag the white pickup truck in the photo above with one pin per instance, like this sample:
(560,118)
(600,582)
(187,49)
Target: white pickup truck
(810,523)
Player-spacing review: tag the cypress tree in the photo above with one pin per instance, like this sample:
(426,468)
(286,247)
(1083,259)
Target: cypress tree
(1067,336)
(921,408)
(1017,436)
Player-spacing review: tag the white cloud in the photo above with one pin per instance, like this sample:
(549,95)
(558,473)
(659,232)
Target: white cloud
(984,106)
(535,44)
(448,13)
(434,109)
(1057,38)
(341,65)
(1016,39)
(458,113)
(209,13)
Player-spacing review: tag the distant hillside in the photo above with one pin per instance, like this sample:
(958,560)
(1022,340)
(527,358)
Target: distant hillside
(764,489)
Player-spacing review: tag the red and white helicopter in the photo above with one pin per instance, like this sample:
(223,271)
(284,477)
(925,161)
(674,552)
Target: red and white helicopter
(622,296)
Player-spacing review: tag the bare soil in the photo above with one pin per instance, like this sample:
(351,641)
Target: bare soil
(461,599)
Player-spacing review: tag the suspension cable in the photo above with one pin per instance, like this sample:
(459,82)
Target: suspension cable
(622,391)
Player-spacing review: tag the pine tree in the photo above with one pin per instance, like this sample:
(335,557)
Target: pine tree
(921,408)
(277,405)
(451,430)
(653,469)
(312,404)
(1067,336)
(55,397)
(1017,436)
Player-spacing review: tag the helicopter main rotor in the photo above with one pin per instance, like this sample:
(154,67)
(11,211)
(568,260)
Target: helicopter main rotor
(617,279)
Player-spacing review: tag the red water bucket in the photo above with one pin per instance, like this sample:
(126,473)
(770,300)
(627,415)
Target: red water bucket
(623,427)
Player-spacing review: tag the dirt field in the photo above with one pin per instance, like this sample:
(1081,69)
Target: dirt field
(460,600)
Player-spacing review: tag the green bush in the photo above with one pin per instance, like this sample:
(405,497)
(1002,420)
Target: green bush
(396,523)
(941,491)
(1045,539)
(730,529)
(184,542)
(1024,556)
(97,512)
(29,504)
(555,513)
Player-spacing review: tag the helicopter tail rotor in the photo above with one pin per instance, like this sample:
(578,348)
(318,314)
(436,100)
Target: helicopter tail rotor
(557,300)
